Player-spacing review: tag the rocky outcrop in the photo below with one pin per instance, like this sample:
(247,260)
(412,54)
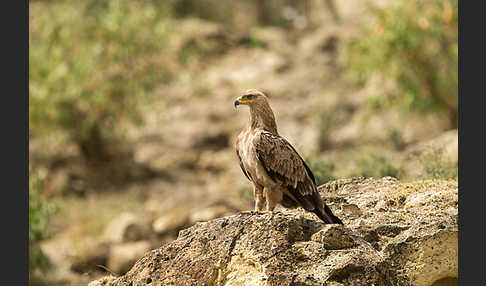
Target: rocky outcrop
(412,225)
(394,234)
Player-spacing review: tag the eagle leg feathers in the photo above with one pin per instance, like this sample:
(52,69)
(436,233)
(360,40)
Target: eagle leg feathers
(259,198)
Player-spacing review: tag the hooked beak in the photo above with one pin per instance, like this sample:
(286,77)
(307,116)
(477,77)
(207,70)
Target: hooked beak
(240,101)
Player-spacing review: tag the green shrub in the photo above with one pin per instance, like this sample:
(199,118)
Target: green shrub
(40,213)
(323,171)
(377,166)
(327,123)
(213,10)
(415,44)
(395,136)
(435,166)
(329,119)
(229,13)
(90,65)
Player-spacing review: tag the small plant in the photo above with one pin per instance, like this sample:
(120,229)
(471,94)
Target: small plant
(415,45)
(254,41)
(269,13)
(436,167)
(40,213)
(213,10)
(326,126)
(396,138)
(374,165)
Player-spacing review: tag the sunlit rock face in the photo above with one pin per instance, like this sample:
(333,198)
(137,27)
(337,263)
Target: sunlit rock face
(394,234)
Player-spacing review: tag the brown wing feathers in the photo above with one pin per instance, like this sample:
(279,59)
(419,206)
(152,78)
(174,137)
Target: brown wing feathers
(282,163)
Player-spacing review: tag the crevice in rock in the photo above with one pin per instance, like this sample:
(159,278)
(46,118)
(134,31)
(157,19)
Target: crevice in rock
(340,274)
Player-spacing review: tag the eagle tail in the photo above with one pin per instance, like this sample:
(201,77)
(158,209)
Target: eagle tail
(327,216)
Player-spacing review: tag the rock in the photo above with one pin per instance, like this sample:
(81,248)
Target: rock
(58,250)
(194,31)
(446,142)
(260,248)
(185,213)
(126,227)
(57,183)
(417,233)
(439,153)
(266,61)
(173,220)
(122,256)
(334,237)
(105,281)
(91,258)
(352,210)
(412,242)
(320,40)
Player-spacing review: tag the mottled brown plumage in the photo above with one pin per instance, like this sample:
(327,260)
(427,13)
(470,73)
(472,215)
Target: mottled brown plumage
(278,173)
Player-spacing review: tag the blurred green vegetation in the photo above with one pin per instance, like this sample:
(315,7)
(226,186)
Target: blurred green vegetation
(435,166)
(41,211)
(331,118)
(413,43)
(270,13)
(377,166)
(395,137)
(327,123)
(322,170)
(90,65)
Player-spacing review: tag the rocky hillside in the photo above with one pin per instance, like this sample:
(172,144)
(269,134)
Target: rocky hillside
(394,234)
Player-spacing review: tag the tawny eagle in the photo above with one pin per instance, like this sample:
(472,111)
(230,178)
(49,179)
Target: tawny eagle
(278,173)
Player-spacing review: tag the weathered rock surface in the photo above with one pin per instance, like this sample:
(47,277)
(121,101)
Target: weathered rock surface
(394,234)
(258,249)
(413,225)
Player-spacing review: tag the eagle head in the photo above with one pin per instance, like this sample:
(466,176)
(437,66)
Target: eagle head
(251,96)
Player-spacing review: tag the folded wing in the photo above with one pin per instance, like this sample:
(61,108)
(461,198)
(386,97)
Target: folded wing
(283,164)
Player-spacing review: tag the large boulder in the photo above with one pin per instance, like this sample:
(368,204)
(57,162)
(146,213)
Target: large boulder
(122,256)
(394,234)
(127,227)
(413,225)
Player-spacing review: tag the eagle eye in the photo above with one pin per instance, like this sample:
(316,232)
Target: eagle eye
(250,96)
